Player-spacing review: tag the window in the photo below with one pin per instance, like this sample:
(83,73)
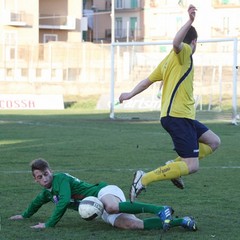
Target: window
(133,23)
(134,3)
(118,27)
(50,37)
(119,4)
(133,26)
(10,41)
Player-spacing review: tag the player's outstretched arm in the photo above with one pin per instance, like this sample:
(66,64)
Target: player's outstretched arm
(16,217)
(178,39)
(141,86)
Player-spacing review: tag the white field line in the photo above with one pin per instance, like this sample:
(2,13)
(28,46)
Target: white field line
(109,169)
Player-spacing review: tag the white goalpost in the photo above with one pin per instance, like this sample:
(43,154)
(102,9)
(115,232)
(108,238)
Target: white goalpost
(216,73)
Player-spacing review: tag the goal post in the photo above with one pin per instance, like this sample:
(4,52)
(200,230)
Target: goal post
(216,72)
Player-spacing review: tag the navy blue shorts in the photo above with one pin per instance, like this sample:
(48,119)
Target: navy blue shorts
(185,134)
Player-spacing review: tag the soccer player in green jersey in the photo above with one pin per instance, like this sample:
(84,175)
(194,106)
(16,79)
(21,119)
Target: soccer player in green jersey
(66,191)
(192,140)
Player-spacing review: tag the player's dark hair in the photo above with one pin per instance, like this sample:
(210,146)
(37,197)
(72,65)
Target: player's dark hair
(191,35)
(39,164)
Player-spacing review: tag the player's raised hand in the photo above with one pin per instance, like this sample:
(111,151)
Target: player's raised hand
(192,12)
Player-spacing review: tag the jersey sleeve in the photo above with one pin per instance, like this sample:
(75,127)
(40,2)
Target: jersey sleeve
(156,75)
(36,203)
(184,54)
(61,205)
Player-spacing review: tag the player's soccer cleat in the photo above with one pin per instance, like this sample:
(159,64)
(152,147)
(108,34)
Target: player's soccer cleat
(166,217)
(189,223)
(178,182)
(137,186)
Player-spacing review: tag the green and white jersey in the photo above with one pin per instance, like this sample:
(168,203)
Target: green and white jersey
(66,192)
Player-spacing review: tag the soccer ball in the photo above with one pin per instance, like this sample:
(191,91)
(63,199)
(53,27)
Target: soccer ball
(90,208)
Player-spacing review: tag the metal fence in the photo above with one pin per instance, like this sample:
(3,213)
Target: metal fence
(90,69)
(55,62)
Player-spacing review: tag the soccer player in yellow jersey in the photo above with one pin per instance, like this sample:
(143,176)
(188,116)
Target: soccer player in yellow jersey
(192,140)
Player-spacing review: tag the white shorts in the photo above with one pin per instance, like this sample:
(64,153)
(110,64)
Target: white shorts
(116,191)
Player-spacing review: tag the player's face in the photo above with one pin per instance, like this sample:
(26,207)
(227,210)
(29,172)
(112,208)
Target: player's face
(44,178)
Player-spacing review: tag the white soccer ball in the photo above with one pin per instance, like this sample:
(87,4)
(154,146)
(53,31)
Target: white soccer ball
(90,208)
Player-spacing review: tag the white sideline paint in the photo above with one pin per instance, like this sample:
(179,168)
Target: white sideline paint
(115,169)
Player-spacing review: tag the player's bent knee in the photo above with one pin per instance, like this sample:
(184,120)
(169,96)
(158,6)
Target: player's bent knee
(193,170)
(111,209)
(128,221)
(193,165)
(217,143)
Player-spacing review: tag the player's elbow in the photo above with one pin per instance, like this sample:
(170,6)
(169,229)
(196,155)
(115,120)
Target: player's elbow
(146,83)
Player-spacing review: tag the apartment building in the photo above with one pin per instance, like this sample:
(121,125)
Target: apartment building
(27,32)
(39,21)
(60,20)
(154,20)
(51,40)
(128,19)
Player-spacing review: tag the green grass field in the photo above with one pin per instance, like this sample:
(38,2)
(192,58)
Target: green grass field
(92,147)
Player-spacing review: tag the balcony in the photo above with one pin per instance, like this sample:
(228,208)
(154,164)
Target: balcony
(226,3)
(17,19)
(57,22)
(126,5)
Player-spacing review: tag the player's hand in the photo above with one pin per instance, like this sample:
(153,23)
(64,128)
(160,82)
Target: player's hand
(39,226)
(124,96)
(192,12)
(16,217)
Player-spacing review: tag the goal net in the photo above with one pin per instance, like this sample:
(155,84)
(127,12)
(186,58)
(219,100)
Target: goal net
(215,78)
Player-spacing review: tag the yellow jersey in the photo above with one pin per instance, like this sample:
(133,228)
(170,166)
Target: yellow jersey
(176,71)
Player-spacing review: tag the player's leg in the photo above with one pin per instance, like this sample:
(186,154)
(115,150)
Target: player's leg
(119,213)
(185,139)
(208,142)
(204,151)
(170,171)
(186,222)
(114,202)
(140,207)
(163,212)
(111,196)
(129,221)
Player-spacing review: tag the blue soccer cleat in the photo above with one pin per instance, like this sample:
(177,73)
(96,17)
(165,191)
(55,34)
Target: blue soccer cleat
(166,217)
(189,223)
